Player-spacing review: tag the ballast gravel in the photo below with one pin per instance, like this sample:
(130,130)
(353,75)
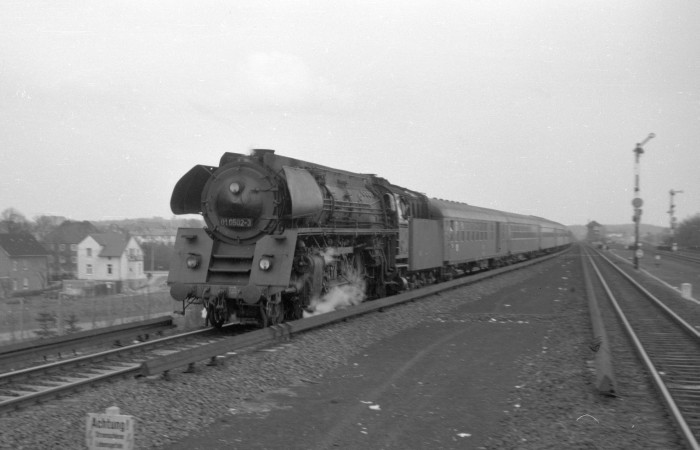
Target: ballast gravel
(557,406)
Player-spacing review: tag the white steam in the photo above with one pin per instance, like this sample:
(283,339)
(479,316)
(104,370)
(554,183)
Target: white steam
(329,255)
(351,293)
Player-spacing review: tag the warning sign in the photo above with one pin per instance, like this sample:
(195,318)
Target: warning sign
(109,431)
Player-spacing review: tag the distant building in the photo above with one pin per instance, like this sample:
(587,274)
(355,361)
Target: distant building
(154,236)
(111,257)
(595,232)
(23,264)
(62,245)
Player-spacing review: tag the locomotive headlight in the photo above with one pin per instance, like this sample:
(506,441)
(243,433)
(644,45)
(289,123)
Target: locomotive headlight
(235,188)
(193,261)
(265,264)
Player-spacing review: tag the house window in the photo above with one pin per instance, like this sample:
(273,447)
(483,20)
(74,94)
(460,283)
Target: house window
(24,263)
(25,283)
(74,259)
(62,247)
(74,247)
(89,251)
(109,269)
(14,266)
(62,259)
(88,269)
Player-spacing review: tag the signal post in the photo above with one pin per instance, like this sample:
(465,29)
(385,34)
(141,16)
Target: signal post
(637,202)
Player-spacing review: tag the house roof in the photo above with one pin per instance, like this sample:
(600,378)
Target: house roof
(113,244)
(70,232)
(21,244)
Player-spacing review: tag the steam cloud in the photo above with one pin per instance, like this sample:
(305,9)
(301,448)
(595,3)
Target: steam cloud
(342,296)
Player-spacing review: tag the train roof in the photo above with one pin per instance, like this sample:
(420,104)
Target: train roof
(446,209)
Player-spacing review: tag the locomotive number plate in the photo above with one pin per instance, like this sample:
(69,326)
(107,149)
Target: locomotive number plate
(236,222)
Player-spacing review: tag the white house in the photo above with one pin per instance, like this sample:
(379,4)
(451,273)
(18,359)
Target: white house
(110,257)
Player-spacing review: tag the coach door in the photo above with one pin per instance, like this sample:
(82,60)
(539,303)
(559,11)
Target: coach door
(498,237)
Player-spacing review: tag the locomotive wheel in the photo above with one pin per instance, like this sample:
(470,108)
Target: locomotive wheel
(217,312)
(302,301)
(216,316)
(293,309)
(271,311)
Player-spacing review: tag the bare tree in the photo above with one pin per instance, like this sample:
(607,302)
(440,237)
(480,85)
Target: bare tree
(13,221)
(43,225)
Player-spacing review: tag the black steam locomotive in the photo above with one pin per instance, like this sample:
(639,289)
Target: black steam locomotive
(285,238)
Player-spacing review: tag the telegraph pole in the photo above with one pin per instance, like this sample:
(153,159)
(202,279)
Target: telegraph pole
(637,201)
(674,246)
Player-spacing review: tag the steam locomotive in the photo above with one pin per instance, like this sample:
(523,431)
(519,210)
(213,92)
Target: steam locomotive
(283,235)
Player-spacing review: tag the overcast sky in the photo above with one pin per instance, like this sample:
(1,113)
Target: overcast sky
(532,107)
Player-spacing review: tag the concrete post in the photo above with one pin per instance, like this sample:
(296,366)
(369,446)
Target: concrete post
(687,290)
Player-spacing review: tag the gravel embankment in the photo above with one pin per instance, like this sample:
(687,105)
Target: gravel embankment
(558,405)
(556,387)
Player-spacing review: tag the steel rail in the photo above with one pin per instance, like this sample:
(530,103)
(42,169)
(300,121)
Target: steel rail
(675,317)
(679,256)
(687,433)
(42,347)
(58,365)
(58,391)
(29,392)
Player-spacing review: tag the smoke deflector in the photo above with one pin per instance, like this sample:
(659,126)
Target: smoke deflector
(306,195)
(187,195)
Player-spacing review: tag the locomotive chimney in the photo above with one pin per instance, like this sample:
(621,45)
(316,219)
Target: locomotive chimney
(260,152)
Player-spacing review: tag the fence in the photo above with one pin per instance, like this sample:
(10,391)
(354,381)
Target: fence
(22,319)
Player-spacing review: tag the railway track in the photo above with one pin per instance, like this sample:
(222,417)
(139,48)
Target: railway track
(21,388)
(42,351)
(665,331)
(680,256)
(30,385)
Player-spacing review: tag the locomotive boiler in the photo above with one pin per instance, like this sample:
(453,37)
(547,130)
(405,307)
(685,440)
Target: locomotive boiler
(283,236)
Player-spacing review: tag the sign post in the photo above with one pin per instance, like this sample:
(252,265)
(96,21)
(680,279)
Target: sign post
(109,431)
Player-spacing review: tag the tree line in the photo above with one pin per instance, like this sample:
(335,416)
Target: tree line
(688,233)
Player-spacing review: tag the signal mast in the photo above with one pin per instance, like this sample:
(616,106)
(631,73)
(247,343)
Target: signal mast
(637,201)
(674,246)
